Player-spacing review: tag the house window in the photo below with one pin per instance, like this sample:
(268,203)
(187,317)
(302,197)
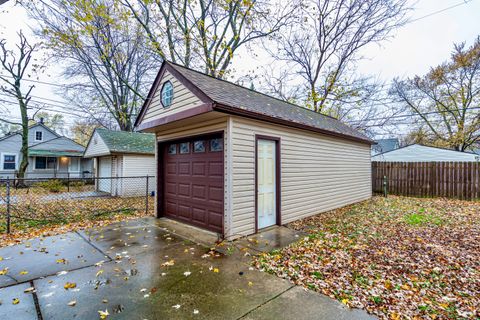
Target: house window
(45,162)
(172,149)
(38,135)
(216,144)
(185,147)
(9,162)
(199,146)
(167,94)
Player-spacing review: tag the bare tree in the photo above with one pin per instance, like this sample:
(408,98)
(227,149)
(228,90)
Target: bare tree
(207,34)
(324,49)
(446,100)
(15,67)
(103,53)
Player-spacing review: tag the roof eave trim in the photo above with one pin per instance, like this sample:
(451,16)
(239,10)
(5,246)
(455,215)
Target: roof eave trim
(203,108)
(258,116)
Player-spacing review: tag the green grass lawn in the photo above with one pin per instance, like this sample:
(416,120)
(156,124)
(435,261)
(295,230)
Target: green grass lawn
(396,257)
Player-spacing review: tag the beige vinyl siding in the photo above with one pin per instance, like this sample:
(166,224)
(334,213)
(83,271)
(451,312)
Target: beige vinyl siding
(318,172)
(96,147)
(183,99)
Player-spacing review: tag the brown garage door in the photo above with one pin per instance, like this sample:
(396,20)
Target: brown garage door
(193,181)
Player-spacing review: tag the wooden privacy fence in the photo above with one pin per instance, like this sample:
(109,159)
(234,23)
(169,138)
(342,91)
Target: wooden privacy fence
(428,179)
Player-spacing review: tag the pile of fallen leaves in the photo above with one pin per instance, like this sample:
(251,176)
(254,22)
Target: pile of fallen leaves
(35,218)
(396,257)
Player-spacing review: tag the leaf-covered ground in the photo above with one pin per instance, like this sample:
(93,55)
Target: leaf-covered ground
(396,257)
(30,219)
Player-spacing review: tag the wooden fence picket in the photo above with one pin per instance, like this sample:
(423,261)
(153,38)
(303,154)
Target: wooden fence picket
(459,180)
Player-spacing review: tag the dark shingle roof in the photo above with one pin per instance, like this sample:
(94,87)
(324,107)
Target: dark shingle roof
(128,142)
(232,95)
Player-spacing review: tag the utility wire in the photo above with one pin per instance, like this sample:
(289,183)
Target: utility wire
(440,11)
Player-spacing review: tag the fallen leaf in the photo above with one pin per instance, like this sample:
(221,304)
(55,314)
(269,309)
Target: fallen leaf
(28,290)
(15,301)
(70,285)
(103,314)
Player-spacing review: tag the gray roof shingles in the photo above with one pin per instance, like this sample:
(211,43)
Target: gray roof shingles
(232,95)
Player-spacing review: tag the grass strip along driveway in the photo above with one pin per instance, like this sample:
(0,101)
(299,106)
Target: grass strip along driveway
(396,257)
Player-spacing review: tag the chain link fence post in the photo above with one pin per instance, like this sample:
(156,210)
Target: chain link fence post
(146,195)
(8,205)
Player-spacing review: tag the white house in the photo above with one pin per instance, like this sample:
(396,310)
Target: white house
(122,161)
(419,153)
(49,155)
(233,161)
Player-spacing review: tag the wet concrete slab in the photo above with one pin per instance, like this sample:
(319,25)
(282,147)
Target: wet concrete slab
(185,231)
(273,238)
(176,282)
(129,238)
(24,309)
(298,303)
(46,256)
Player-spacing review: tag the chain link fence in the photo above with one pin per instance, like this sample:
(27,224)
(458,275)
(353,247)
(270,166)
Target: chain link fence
(36,202)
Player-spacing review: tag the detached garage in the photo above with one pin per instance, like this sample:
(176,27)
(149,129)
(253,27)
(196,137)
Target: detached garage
(122,161)
(233,161)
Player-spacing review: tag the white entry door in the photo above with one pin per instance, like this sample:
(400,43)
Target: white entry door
(104,171)
(266,183)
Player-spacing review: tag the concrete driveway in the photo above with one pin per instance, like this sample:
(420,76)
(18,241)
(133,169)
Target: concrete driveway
(140,270)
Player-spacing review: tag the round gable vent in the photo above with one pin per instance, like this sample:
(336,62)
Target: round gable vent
(166,95)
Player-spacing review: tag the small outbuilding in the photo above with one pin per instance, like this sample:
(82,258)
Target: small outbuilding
(122,161)
(233,161)
(420,153)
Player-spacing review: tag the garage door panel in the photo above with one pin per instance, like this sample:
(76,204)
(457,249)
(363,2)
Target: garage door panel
(171,188)
(171,168)
(184,189)
(199,215)
(170,207)
(199,192)
(184,211)
(215,169)
(215,193)
(194,182)
(215,218)
(199,168)
(184,168)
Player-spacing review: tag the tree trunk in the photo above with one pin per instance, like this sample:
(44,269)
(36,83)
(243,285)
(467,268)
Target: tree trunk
(24,149)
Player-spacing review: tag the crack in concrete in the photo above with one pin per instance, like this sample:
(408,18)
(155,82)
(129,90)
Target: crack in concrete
(265,302)
(36,301)
(93,245)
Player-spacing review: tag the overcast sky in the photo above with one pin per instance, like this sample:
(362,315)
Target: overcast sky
(413,49)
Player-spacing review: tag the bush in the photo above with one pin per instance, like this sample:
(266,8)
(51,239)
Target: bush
(77,184)
(53,185)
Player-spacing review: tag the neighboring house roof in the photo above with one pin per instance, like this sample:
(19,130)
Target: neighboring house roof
(58,147)
(224,96)
(19,132)
(419,153)
(385,145)
(127,142)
